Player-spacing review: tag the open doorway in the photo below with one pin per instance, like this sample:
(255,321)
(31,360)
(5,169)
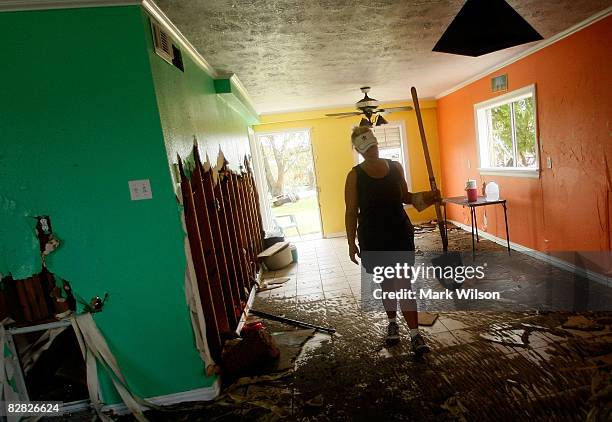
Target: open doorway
(289,170)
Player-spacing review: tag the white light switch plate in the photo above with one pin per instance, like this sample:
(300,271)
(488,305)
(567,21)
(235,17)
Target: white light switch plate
(140,189)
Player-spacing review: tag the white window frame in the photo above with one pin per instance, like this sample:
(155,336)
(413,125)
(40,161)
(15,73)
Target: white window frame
(260,181)
(480,124)
(404,147)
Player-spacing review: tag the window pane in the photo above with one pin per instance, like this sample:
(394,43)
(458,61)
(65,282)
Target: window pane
(394,154)
(524,125)
(387,136)
(500,137)
(287,161)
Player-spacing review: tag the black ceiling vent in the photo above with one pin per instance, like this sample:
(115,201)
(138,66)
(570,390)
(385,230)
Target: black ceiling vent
(484,26)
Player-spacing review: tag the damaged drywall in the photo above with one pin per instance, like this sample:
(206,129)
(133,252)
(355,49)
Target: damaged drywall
(8,382)
(193,114)
(71,138)
(19,248)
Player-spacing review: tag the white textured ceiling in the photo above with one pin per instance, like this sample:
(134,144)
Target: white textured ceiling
(300,54)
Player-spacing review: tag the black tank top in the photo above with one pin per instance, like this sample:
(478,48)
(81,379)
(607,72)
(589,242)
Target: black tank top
(382,221)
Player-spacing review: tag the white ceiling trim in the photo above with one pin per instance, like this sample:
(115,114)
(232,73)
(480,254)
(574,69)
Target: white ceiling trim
(160,17)
(22,5)
(237,83)
(539,46)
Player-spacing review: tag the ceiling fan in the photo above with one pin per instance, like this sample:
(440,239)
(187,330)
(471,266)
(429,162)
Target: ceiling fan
(369,108)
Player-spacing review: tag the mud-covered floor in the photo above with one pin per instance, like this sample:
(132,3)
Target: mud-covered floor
(484,365)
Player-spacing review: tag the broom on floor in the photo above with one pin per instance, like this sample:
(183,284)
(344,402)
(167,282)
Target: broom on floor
(447,259)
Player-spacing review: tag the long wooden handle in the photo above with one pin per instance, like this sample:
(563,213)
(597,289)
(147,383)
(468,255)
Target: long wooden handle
(432,179)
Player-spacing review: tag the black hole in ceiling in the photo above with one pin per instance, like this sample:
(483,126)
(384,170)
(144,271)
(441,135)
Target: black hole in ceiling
(484,26)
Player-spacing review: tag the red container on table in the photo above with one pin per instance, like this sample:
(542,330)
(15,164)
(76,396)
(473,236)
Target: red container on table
(472,190)
(472,195)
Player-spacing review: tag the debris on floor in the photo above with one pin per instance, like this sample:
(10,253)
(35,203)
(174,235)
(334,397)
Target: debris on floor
(275,399)
(484,365)
(425,227)
(427,319)
(580,322)
(506,336)
(249,353)
(291,321)
(529,364)
(266,395)
(271,284)
(290,344)
(601,395)
(280,280)
(453,406)
(264,287)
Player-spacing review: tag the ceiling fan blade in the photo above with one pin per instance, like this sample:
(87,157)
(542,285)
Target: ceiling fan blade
(349,115)
(352,113)
(393,109)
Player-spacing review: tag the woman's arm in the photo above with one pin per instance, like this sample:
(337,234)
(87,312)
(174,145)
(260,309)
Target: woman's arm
(420,200)
(406,196)
(350,215)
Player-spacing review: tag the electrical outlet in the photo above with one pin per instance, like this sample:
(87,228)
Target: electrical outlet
(548,162)
(140,189)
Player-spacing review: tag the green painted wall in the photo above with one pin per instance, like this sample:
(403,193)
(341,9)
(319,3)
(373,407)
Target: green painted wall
(189,106)
(78,119)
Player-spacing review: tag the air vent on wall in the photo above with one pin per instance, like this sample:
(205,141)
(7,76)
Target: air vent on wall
(162,42)
(164,47)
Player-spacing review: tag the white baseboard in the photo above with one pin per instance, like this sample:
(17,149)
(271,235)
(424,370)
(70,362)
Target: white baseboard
(542,256)
(199,394)
(332,235)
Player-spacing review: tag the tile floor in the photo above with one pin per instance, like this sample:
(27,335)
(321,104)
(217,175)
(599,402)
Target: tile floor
(558,374)
(323,271)
(357,376)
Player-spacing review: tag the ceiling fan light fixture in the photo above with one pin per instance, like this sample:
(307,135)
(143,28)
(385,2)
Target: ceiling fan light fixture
(381,121)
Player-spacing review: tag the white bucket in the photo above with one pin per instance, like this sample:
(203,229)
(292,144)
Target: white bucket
(280,259)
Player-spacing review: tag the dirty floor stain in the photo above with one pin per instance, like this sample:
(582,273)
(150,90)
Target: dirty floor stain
(482,366)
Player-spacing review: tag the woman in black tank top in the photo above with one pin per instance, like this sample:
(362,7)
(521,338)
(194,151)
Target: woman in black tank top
(375,194)
(383,225)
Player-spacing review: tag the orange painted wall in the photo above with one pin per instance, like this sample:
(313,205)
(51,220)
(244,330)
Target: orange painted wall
(568,207)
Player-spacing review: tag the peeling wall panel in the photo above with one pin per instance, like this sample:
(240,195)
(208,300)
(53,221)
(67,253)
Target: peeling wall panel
(78,120)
